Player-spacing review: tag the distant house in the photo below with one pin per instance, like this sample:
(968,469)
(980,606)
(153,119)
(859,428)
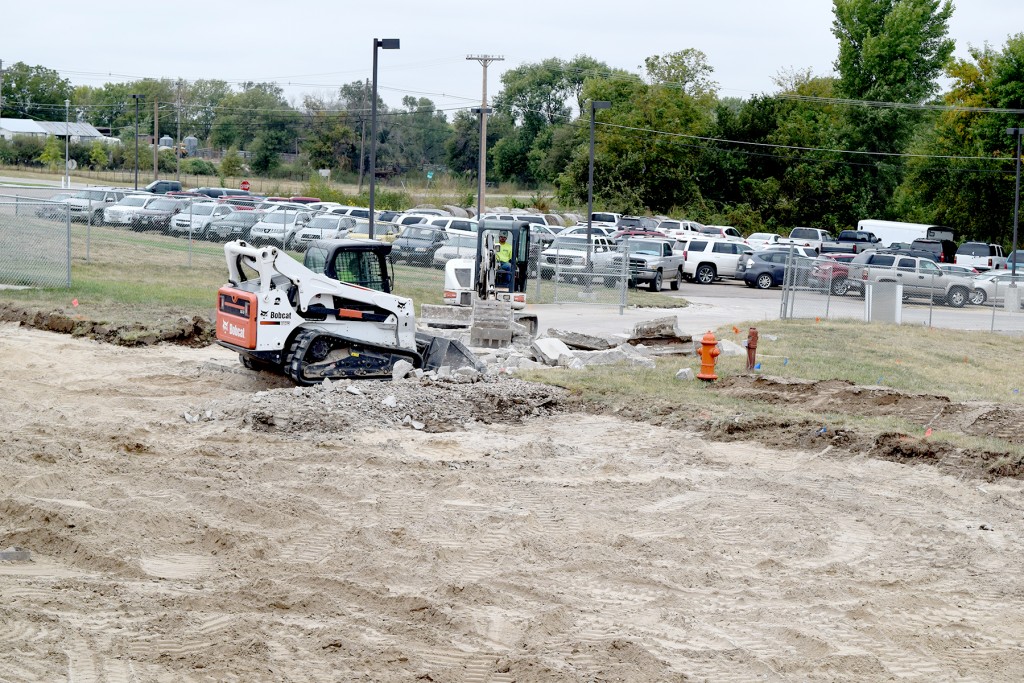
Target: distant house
(79,132)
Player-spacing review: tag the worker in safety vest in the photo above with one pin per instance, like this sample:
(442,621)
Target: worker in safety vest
(503,254)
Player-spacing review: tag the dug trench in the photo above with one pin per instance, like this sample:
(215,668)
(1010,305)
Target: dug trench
(806,428)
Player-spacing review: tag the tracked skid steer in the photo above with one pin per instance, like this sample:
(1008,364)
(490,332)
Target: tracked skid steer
(332,317)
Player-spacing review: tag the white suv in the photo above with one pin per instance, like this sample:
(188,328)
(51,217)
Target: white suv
(707,259)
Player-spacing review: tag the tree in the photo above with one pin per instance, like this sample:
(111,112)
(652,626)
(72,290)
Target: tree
(98,157)
(889,51)
(34,92)
(53,153)
(258,108)
(973,190)
(686,69)
(231,164)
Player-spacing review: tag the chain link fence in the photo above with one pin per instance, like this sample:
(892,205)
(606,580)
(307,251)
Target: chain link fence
(826,289)
(35,242)
(49,234)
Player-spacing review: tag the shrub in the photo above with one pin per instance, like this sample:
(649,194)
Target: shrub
(197,167)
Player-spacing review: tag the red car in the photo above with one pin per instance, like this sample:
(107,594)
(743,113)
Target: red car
(832,270)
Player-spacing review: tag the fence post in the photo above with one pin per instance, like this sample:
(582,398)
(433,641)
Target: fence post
(554,275)
(67,216)
(190,232)
(624,280)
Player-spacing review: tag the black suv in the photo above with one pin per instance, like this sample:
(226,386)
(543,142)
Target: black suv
(944,250)
(163,186)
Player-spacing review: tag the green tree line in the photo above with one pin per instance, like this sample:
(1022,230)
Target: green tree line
(876,138)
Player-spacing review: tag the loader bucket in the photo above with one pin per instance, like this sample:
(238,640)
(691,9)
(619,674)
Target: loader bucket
(439,351)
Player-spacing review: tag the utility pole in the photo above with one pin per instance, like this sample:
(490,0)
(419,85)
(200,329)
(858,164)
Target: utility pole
(362,138)
(1,87)
(156,137)
(177,140)
(485,61)
(67,142)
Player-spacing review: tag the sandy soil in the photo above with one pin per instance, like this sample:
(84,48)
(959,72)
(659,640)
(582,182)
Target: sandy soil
(284,535)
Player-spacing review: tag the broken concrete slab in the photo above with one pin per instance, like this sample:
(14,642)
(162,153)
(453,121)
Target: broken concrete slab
(685,374)
(729,348)
(620,354)
(548,349)
(15,554)
(582,341)
(659,327)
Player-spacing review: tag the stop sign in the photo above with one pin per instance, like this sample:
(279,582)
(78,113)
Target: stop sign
(245,185)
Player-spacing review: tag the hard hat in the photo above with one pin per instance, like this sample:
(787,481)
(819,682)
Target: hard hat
(503,235)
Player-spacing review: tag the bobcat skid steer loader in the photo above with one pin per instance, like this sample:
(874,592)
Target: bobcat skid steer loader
(327,321)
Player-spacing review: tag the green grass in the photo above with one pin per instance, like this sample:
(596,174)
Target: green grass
(150,279)
(962,365)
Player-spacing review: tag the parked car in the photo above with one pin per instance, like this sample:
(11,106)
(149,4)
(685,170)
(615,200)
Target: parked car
(581,231)
(807,237)
(981,256)
(920,277)
(323,227)
(278,227)
(537,219)
(605,218)
(458,245)
(767,269)
(234,226)
(195,218)
(677,229)
(619,235)
(467,226)
(125,211)
(954,269)
(706,260)
(991,287)
(88,205)
(382,232)
(567,256)
(651,262)
(156,213)
(305,200)
(759,240)
(163,186)
(56,208)
(851,241)
(416,244)
(215,192)
(944,250)
(830,272)
(1015,258)
(642,223)
(806,252)
(724,232)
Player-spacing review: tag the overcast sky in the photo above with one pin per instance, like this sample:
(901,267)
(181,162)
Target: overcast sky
(312,47)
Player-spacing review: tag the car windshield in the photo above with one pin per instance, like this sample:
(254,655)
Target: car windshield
(244,218)
(420,233)
(463,241)
(324,222)
(89,194)
(133,201)
(603,217)
(532,219)
(575,243)
(282,217)
(163,205)
(202,209)
(645,247)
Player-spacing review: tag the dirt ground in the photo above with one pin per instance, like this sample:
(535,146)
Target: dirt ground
(191,521)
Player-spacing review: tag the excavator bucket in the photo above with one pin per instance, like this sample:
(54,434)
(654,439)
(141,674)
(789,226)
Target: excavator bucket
(440,351)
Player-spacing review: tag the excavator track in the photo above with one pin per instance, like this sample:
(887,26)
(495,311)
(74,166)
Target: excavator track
(316,355)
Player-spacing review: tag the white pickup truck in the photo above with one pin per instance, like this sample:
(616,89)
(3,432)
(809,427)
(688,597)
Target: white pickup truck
(808,237)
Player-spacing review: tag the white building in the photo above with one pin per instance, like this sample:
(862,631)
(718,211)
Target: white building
(78,131)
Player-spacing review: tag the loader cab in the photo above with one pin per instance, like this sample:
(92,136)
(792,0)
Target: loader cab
(518,233)
(358,262)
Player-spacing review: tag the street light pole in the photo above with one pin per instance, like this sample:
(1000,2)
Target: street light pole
(136,98)
(1016,198)
(67,138)
(387,44)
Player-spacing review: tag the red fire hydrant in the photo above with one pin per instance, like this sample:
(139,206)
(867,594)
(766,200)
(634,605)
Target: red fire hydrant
(751,348)
(708,353)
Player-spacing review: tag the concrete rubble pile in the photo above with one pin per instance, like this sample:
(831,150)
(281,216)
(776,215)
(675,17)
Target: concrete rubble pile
(577,350)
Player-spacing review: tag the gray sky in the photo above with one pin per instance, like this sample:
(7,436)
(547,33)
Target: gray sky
(312,47)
